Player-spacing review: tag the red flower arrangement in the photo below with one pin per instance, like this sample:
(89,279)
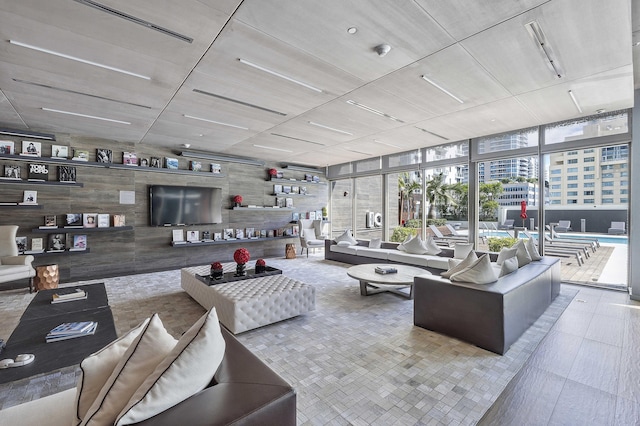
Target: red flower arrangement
(237,199)
(261,262)
(273,172)
(216,266)
(241,255)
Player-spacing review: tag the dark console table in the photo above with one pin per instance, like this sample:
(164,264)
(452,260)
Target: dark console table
(41,316)
(228,277)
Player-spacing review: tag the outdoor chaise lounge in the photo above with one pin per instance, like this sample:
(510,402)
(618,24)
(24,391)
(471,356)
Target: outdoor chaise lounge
(617,228)
(507,224)
(592,241)
(561,251)
(563,226)
(451,238)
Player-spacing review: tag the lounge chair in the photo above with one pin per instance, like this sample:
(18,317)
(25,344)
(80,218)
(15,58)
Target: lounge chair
(450,238)
(507,224)
(592,241)
(453,231)
(563,226)
(561,251)
(617,228)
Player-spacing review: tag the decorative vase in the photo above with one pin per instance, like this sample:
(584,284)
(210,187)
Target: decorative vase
(241,269)
(216,273)
(260,269)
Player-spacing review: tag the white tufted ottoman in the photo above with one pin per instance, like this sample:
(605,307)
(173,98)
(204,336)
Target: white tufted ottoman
(248,304)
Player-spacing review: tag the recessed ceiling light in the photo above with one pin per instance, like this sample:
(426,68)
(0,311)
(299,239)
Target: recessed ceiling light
(271,148)
(77,114)
(387,144)
(375,111)
(215,122)
(352,30)
(442,89)
(74,58)
(575,101)
(538,37)
(277,74)
(313,123)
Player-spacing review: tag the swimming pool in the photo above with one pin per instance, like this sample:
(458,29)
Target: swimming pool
(606,239)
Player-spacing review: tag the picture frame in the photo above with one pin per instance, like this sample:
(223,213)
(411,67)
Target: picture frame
(130,158)
(66,174)
(263,233)
(30,197)
(57,242)
(217,236)
(21,242)
(90,220)
(195,166)
(206,236)
(193,236)
(286,189)
(177,235)
(31,148)
(144,162)
(38,172)
(12,172)
(303,190)
(229,234)
(155,162)
(104,220)
(79,242)
(240,234)
(295,190)
(288,202)
(295,216)
(250,232)
(50,220)
(104,155)
(36,244)
(59,151)
(277,189)
(80,155)
(171,163)
(73,220)
(118,220)
(215,168)
(7,147)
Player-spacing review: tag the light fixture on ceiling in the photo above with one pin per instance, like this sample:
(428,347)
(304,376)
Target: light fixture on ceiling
(247,104)
(297,139)
(356,151)
(431,133)
(575,101)
(93,117)
(215,122)
(352,30)
(536,33)
(277,74)
(382,49)
(313,123)
(187,145)
(27,134)
(600,111)
(74,58)
(387,144)
(271,148)
(374,111)
(208,156)
(299,168)
(442,89)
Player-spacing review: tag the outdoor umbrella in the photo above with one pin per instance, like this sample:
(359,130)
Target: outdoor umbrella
(523,211)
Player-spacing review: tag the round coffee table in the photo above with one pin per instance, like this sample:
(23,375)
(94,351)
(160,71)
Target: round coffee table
(372,282)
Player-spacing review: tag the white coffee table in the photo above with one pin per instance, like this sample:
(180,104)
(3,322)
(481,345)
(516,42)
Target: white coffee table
(371,282)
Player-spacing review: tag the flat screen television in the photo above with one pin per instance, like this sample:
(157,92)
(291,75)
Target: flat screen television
(185,205)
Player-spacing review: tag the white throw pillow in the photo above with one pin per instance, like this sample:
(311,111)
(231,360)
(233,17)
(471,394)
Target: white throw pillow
(343,244)
(456,265)
(414,246)
(533,250)
(506,253)
(138,362)
(430,246)
(479,272)
(375,243)
(346,236)
(461,250)
(187,369)
(522,253)
(508,266)
(96,369)
(406,240)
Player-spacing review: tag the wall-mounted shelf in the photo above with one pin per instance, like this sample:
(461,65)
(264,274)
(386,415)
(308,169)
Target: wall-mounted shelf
(296,180)
(284,194)
(80,230)
(62,253)
(264,209)
(21,206)
(236,241)
(39,182)
(62,161)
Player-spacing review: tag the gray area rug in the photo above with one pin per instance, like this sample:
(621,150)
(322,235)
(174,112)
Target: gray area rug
(354,360)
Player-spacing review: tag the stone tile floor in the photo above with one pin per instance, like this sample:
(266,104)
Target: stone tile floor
(354,360)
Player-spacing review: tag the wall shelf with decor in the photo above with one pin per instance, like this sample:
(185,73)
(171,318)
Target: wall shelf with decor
(61,253)
(296,180)
(21,206)
(236,241)
(80,230)
(263,209)
(37,182)
(287,194)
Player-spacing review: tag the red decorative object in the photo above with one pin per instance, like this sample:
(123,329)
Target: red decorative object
(216,266)
(241,255)
(237,199)
(523,209)
(261,262)
(273,172)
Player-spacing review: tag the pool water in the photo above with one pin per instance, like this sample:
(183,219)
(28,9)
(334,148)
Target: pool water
(602,239)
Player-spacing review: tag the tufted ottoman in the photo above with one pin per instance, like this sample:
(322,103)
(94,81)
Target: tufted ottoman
(248,304)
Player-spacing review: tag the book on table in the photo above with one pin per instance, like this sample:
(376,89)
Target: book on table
(386,270)
(71,330)
(67,297)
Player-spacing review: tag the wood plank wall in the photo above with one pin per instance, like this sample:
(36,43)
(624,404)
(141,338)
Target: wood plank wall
(146,248)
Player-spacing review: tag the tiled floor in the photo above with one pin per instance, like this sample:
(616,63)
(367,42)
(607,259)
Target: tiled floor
(359,360)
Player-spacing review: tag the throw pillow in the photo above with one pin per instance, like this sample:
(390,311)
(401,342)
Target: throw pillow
(138,362)
(343,244)
(375,243)
(461,250)
(346,236)
(506,253)
(186,370)
(414,246)
(479,272)
(430,246)
(456,265)
(508,266)
(406,240)
(522,254)
(533,250)
(96,369)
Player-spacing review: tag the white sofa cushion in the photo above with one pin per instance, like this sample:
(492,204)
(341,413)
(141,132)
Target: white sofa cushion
(346,236)
(52,410)
(409,258)
(431,247)
(344,243)
(456,265)
(406,240)
(533,250)
(479,272)
(96,369)
(373,253)
(344,249)
(522,254)
(138,362)
(375,243)
(186,370)
(414,246)
(506,253)
(508,266)
(461,250)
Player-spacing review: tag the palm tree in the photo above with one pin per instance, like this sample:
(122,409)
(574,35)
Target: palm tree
(436,190)
(407,187)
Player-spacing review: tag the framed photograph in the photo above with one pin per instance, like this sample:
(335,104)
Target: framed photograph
(22,244)
(90,220)
(228,234)
(155,162)
(277,189)
(193,236)
(104,220)
(270,233)
(129,158)
(6,147)
(57,242)
(288,202)
(33,149)
(79,242)
(280,202)
(263,233)
(30,197)
(303,190)
(66,174)
(36,244)
(295,189)
(73,220)
(215,168)
(104,155)
(171,163)
(217,236)
(80,155)
(12,172)
(250,232)
(239,233)
(195,166)
(206,235)
(177,235)
(38,172)
(118,220)
(59,151)
(50,220)
(286,189)
(144,162)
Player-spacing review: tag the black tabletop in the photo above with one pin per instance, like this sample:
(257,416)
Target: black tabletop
(41,306)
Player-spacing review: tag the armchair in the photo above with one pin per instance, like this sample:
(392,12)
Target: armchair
(310,234)
(12,266)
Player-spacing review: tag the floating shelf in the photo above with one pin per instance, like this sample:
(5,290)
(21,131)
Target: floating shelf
(37,182)
(61,253)
(284,194)
(80,230)
(264,209)
(22,206)
(296,180)
(237,241)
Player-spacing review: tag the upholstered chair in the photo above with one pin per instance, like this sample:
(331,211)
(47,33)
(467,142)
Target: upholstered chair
(13,266)
(310,234)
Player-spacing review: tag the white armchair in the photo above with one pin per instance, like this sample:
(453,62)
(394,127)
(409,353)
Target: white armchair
(12,266)
(310,234)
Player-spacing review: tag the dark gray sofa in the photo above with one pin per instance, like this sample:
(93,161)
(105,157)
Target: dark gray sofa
(491,316)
